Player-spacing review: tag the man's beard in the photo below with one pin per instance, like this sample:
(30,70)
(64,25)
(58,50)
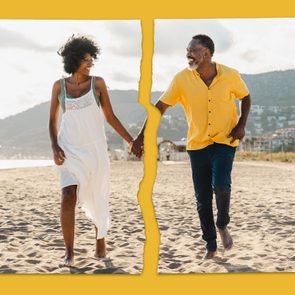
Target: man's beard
(194,66)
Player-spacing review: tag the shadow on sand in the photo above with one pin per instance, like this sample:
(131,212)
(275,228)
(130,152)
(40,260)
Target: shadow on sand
(236,268)
(109,268)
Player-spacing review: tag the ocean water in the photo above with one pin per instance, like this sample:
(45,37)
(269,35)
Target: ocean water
(9,164)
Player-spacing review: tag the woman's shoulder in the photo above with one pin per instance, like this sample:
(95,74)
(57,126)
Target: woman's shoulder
(99,81)
(57,83)
(57,86)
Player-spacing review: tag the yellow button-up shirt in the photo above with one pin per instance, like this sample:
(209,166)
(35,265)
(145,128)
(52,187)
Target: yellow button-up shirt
(211,112)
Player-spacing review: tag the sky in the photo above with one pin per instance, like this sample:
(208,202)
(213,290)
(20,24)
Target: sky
(251,46)
(30,63)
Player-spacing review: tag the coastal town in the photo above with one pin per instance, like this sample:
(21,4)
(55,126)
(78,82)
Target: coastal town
(269,129)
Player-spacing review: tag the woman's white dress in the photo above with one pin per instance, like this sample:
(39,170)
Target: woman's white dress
(83,140)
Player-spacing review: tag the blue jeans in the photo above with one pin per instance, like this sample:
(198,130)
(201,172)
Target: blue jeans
(211,172)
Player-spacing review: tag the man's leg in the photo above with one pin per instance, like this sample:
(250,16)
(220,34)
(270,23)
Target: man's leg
(202,180)
(222,162)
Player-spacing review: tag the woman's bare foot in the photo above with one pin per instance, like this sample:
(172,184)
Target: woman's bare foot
(100,248)
(69,259)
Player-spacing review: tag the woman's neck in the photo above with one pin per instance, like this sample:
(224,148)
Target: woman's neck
(78,78)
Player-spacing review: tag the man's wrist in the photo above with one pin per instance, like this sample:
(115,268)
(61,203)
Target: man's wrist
(140,135)
(242,122)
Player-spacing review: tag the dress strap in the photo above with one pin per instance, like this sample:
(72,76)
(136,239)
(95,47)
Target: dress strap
(94,90)
(62,95)
(64,86)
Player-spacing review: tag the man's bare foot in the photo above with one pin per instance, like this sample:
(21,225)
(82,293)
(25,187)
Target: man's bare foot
(209,255)
(100,248)
(226,238)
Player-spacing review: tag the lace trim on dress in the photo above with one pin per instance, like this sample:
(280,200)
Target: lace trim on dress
(76,104)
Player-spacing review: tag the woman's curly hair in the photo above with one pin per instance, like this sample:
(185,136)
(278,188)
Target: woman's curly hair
(74,50)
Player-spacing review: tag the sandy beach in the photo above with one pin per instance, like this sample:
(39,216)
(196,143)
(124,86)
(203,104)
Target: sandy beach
(262,220)
(30,233)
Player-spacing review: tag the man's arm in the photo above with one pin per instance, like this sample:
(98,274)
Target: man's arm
(239,131)
(138,142)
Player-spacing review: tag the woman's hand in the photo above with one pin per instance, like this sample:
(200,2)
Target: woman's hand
(113,120)
(58,155)
(136,149)
(137,146)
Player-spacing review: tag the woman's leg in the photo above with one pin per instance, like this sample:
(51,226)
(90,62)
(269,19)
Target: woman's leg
(67,219)
(100,251)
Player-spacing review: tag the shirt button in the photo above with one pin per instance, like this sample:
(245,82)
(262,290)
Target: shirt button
(209,123)
(209,112)
(209,100)
(209,135)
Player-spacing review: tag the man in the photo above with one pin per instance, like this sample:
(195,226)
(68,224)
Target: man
(207,91)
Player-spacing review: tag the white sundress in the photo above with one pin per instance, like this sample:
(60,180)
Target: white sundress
(82,137)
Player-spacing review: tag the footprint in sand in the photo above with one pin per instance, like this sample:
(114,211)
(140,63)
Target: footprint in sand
(33,261)
(32,254)
(166,256)
(136,231)
(174,265)
(20,256)
(82,251)
(124,245)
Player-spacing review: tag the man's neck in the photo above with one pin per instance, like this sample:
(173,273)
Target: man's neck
(207,69)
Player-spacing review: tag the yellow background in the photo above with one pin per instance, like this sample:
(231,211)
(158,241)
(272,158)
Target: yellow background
(148,282)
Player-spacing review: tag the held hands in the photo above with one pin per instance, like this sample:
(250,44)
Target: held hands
(136,147)
(237,133)
(58,155)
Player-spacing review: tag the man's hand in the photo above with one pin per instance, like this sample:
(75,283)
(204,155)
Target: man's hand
(237,133)
(58,155)
(137,146)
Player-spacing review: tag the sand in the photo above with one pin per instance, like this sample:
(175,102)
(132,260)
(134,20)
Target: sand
(262,220)
(30,233)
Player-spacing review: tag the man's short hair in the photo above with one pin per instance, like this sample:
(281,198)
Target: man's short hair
(206,41)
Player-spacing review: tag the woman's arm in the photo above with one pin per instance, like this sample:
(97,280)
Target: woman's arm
(109,114)
(108,111)
(58,153)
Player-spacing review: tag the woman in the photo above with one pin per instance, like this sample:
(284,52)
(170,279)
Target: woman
(79,148)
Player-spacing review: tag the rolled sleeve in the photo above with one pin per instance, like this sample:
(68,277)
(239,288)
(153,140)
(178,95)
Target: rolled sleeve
(172,95)
(239,87)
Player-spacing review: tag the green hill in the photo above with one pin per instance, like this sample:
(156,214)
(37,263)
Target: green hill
(27,132)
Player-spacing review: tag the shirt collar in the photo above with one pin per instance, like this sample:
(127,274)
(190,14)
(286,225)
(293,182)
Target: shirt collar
(218,69)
